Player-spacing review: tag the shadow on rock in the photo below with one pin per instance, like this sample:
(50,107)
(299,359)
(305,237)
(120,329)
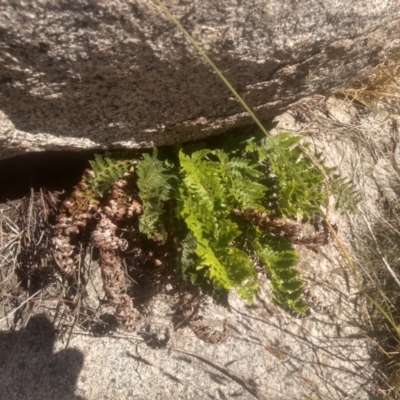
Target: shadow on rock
(30,369)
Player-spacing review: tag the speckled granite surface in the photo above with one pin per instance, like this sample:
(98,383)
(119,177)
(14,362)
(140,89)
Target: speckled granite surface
(115,73)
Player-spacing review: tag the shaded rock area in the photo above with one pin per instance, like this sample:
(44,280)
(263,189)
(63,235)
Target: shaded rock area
(107,74)
(39,372)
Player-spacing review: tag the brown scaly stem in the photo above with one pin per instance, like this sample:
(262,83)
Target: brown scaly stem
(285,228)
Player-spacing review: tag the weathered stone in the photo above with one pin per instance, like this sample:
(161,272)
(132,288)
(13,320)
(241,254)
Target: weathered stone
(117,73)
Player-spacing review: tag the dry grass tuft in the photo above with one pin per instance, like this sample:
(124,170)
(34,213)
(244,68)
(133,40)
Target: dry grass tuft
(10,240)
(378,257)
(10,246)
(26,265)
(382,85)
(377,248)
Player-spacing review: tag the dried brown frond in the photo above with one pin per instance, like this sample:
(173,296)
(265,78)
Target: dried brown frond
(74,215)
(113,275)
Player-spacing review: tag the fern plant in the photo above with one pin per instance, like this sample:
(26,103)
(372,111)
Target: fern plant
(218,246)
(204,184)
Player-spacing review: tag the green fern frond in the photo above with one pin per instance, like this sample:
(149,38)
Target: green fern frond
(188,258)
(293,199)
(107,170)
(248,290)
(204,204)
(241,179)
(347,197)
(279,260)
(155,188)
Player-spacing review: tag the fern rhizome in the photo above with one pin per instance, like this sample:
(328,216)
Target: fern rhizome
(229,205)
